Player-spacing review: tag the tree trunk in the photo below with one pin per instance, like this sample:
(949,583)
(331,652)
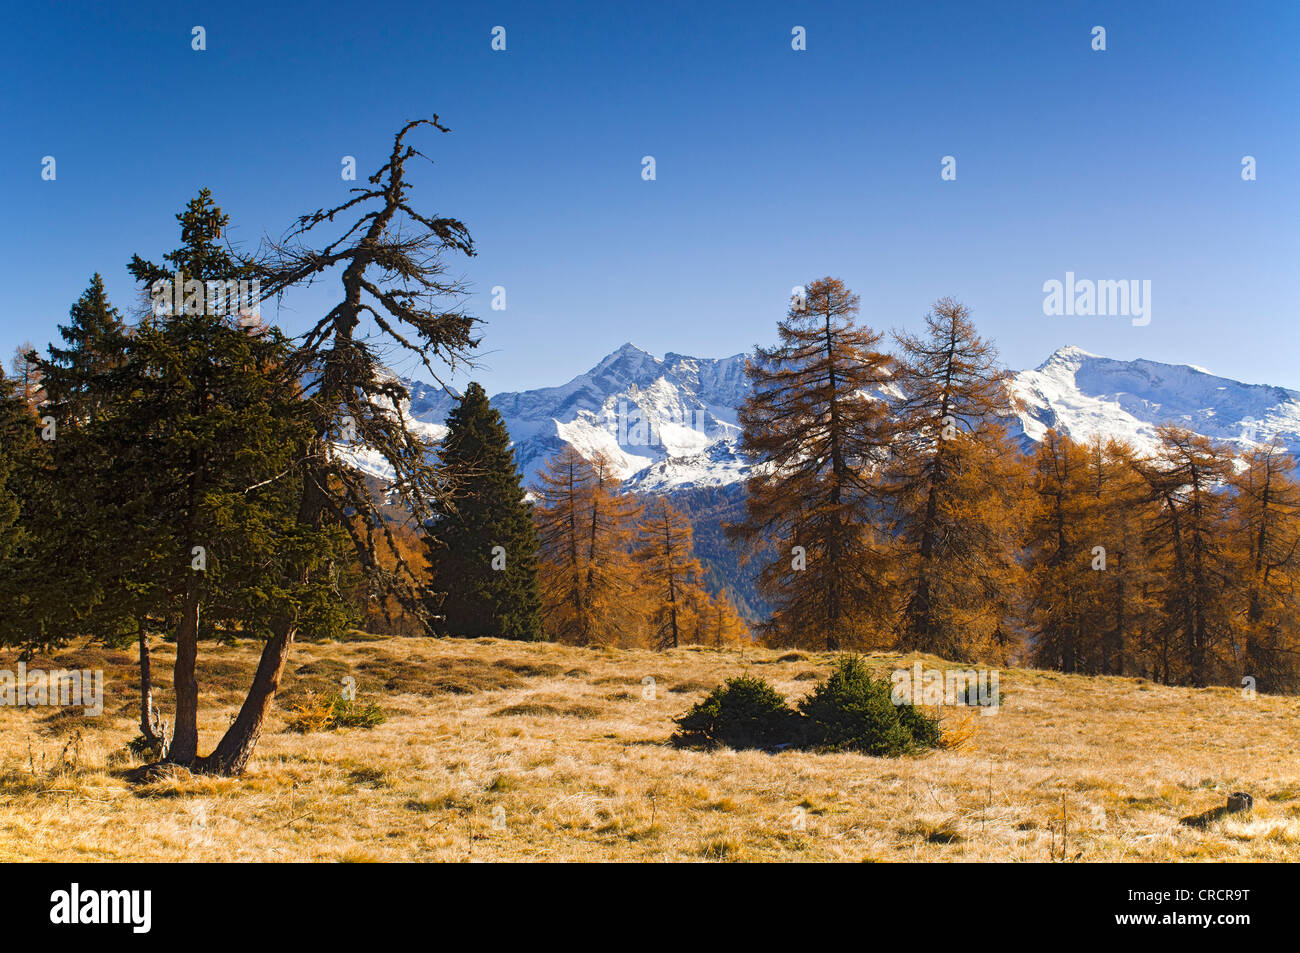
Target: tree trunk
(232,753)
(833,608)
(1119,629)
(236,747)
(146,692)
(918,630)
(185,738)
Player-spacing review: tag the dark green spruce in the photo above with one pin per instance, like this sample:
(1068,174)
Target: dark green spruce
(214,409)
(28,514)
(484,552)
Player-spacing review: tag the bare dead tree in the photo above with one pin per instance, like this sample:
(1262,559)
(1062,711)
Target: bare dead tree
(394,271)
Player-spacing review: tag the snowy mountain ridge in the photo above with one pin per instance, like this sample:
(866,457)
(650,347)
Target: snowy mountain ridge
(1082,395)
(670,423)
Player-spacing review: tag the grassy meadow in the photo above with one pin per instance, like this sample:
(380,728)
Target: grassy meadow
(502,751)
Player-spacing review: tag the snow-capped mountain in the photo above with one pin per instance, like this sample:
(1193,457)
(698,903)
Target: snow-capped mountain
(670,423)
(664,422)
(1082,394)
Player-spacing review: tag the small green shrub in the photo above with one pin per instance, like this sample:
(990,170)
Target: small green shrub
(851,711)
(925,730)
(968,693)
(746,712)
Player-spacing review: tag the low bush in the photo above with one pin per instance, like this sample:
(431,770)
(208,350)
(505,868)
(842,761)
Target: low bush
(851,711)
(746,712)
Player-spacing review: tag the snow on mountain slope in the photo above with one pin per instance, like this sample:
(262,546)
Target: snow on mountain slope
(670,423)
(663,422)
(1082,394)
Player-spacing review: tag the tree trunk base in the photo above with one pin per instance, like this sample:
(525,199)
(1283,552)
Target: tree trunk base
(159,771)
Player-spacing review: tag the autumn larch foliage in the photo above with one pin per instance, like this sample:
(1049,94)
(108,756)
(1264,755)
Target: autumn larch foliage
(585,528)
(1180,567)
(669,570)
(1087,572)
(915,520)
(818,430)
(954,481)
(713,620)
(1266,522)
(1196,571)
(618,570)
(675,606)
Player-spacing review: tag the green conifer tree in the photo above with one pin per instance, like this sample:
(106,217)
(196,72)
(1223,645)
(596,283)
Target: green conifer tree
(92,472)
(16,437)
(483,553)
(217,407)
(77,377)
(103,484)
(34,611)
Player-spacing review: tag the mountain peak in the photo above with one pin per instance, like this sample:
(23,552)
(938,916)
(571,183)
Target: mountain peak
(631,350)
(626,356)
(1069,354)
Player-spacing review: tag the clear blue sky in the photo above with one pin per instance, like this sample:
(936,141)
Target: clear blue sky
(774,166)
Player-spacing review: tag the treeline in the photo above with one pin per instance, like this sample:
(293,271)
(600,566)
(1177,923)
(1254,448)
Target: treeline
(1181,566)
(904,517)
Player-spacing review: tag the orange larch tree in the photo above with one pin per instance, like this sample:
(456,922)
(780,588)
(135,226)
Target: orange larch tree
(585,527)
(1265,512)
(1197,569)
(817,429)
(955,479)
(670,571)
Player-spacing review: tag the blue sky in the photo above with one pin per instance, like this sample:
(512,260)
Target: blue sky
(773,166)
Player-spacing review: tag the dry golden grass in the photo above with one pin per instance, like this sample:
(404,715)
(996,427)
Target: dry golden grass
(502,751)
